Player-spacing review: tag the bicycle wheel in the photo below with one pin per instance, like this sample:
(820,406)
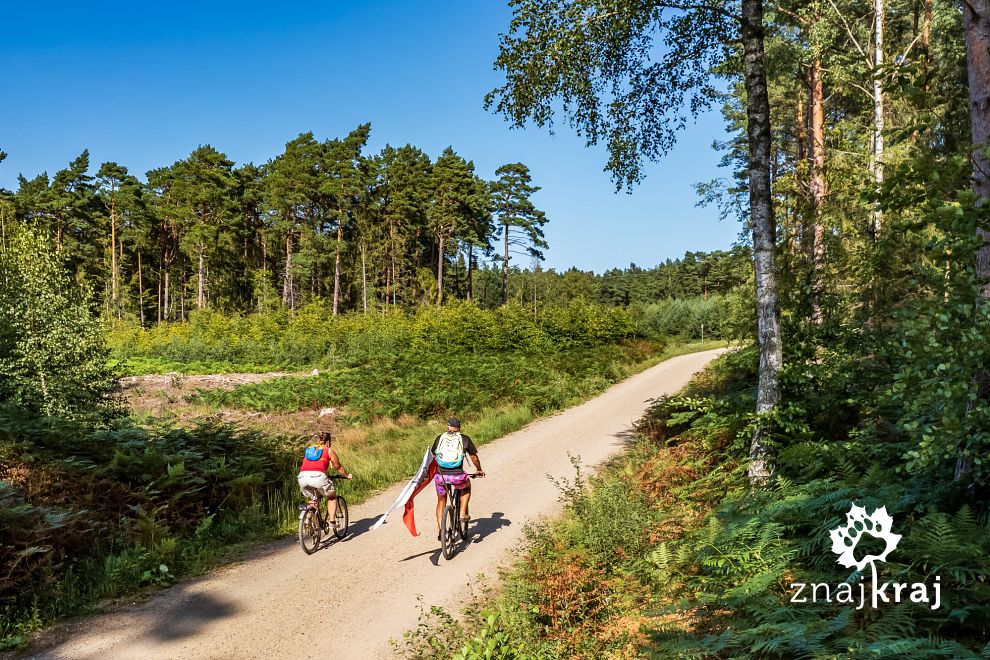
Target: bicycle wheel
(310,531)
(341,517)
(448,532)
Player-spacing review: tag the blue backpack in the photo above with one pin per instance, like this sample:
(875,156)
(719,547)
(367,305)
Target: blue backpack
(314,453)
(450,450)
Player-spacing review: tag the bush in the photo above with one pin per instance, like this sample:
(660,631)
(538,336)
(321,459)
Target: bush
(313,337)
(53,360)
(135,493)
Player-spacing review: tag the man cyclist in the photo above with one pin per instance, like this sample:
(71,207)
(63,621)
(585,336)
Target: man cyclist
(448,450)
(313,480)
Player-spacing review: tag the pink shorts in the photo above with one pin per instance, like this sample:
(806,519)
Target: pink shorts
(460,481)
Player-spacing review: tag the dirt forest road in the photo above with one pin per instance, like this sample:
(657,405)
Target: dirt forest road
(348,600)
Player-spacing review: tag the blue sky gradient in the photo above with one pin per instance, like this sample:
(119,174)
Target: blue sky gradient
(144,85)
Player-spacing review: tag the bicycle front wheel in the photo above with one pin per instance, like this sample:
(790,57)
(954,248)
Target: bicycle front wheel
(448,532)
(340,531)
(310,531)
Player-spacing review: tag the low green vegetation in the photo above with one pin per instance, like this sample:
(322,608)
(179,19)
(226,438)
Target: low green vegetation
(669,553)
(96,506)
(313,337)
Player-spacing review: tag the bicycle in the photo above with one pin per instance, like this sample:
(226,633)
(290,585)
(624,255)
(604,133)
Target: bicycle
(312,525)
(452,529)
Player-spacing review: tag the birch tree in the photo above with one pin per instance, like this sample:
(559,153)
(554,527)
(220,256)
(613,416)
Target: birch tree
(597,61)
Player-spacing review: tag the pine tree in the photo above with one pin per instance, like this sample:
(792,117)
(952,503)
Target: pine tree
(520,222)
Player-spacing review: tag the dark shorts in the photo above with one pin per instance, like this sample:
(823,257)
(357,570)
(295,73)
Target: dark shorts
(459,480)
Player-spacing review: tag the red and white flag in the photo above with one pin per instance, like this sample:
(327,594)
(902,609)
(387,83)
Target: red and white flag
(423,476)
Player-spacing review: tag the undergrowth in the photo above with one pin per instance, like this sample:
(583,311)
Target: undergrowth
(669,553)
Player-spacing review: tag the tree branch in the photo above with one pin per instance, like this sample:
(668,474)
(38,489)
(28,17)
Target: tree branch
(849,31)
(687,6)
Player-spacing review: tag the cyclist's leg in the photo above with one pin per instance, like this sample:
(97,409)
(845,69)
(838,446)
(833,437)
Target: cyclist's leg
(465,498)
(441,499)
(328,491)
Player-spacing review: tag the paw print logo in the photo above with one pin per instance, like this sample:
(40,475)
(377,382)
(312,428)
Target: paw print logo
(845,538)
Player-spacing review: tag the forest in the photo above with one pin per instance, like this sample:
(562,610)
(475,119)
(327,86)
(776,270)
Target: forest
(320,221)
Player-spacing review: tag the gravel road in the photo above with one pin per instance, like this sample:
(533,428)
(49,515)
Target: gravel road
(348,600)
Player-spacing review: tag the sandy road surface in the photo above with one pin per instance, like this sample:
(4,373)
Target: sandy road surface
(367,584)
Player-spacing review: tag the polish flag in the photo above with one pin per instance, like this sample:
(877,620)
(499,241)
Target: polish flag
(423,477)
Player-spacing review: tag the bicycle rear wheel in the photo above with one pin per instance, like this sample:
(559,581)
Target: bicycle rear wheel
(310,531)
(340,531)
(448,532)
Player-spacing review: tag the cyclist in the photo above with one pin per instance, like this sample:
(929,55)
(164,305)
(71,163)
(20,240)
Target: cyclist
(313,479)
(448,450)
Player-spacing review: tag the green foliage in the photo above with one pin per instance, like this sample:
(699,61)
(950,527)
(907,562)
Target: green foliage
(144,506)
(461,360)
(52,354)
(671,538)
(314,337)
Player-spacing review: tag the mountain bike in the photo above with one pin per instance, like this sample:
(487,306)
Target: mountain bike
(453,530)
(313,526)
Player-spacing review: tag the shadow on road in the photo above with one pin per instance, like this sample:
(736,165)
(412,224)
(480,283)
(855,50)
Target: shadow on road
(484,527)
(434,556)
(197,612)
(477,532)
(358,528)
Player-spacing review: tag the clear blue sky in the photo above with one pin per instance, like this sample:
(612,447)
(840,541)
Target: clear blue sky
(144,84)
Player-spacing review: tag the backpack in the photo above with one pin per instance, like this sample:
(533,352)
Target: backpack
(314,453)
(450,450)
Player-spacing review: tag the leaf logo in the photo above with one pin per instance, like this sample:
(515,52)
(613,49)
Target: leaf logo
(845,538)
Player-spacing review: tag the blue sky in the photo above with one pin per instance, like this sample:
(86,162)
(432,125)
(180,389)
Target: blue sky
(145,84)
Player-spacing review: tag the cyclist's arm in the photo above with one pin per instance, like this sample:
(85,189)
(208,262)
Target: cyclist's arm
(335,462)
(477,464)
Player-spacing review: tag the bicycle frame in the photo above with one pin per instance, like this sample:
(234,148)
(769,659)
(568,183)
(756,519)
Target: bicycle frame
(457,531)
(310,539)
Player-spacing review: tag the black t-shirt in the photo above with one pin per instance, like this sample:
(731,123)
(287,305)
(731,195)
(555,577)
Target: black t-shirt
(469,448)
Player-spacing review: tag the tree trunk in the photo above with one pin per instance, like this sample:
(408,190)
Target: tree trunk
(395,283)
(113,258)
(800,157)
(878,31)
(288,297)
(336,266)
(470,282)
(764,233)
(364,278)
(976,24)
(159,301)
(976,28)
(440,271)
(140,288)
(201,286)
(819,187)
(505,264)
(165,297)
(388,282)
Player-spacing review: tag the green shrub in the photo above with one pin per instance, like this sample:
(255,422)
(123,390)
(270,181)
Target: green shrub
(53,360)
(313,337)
